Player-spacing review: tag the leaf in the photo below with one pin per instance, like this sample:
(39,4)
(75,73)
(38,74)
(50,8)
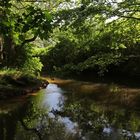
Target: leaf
(122,46)
(48,15)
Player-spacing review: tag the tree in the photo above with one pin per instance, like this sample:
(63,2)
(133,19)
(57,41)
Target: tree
(21,23)
(104,33)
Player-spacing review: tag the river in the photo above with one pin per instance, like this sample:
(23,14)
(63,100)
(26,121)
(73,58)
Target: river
(72,110)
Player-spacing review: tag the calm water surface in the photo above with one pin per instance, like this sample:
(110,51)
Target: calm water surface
(69,110)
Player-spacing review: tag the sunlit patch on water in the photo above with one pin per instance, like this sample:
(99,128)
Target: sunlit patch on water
(118,132)
(53,98)
(51,88)
(107,130)
(70,126)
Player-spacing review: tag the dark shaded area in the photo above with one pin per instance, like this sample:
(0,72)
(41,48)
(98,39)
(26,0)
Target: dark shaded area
(113,76)
(12,86)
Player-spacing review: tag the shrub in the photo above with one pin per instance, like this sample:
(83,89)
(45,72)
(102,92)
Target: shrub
(33,66)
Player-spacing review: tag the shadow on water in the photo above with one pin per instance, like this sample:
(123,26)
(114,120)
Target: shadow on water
(69,110)
(108,78)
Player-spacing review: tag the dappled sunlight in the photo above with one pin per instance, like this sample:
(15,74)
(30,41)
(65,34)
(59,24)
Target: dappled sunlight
(92,88)
(59,81)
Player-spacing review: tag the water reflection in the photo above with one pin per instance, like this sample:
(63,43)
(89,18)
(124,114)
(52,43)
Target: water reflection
(53,98)
(67,112)
(98,122)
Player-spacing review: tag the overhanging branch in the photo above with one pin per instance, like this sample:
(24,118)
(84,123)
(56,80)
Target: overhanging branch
(129,17)
(34,1)
(29,40)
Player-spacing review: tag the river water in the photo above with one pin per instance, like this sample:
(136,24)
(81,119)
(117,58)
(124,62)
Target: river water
(70,110)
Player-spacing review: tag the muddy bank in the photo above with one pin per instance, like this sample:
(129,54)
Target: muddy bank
(11,87)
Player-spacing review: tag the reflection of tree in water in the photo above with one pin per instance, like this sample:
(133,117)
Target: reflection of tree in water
(33,130)
(32,122)
(7,127)
(46,129)
(9,123)
(98,123)
(38,122)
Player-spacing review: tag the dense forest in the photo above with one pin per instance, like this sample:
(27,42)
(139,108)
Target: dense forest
(68,37)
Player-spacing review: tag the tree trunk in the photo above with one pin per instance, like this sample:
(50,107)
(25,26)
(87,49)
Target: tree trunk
(1,50)
(9,52)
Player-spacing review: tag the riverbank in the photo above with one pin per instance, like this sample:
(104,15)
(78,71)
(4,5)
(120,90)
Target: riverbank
(17,83)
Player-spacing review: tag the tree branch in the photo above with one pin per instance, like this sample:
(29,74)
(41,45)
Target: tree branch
(34,1)
(29,40)
(129,17)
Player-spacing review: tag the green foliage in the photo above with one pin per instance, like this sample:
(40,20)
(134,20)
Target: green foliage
(22,22)
(15,73)
(78,35)
(33,65)
(91,38)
